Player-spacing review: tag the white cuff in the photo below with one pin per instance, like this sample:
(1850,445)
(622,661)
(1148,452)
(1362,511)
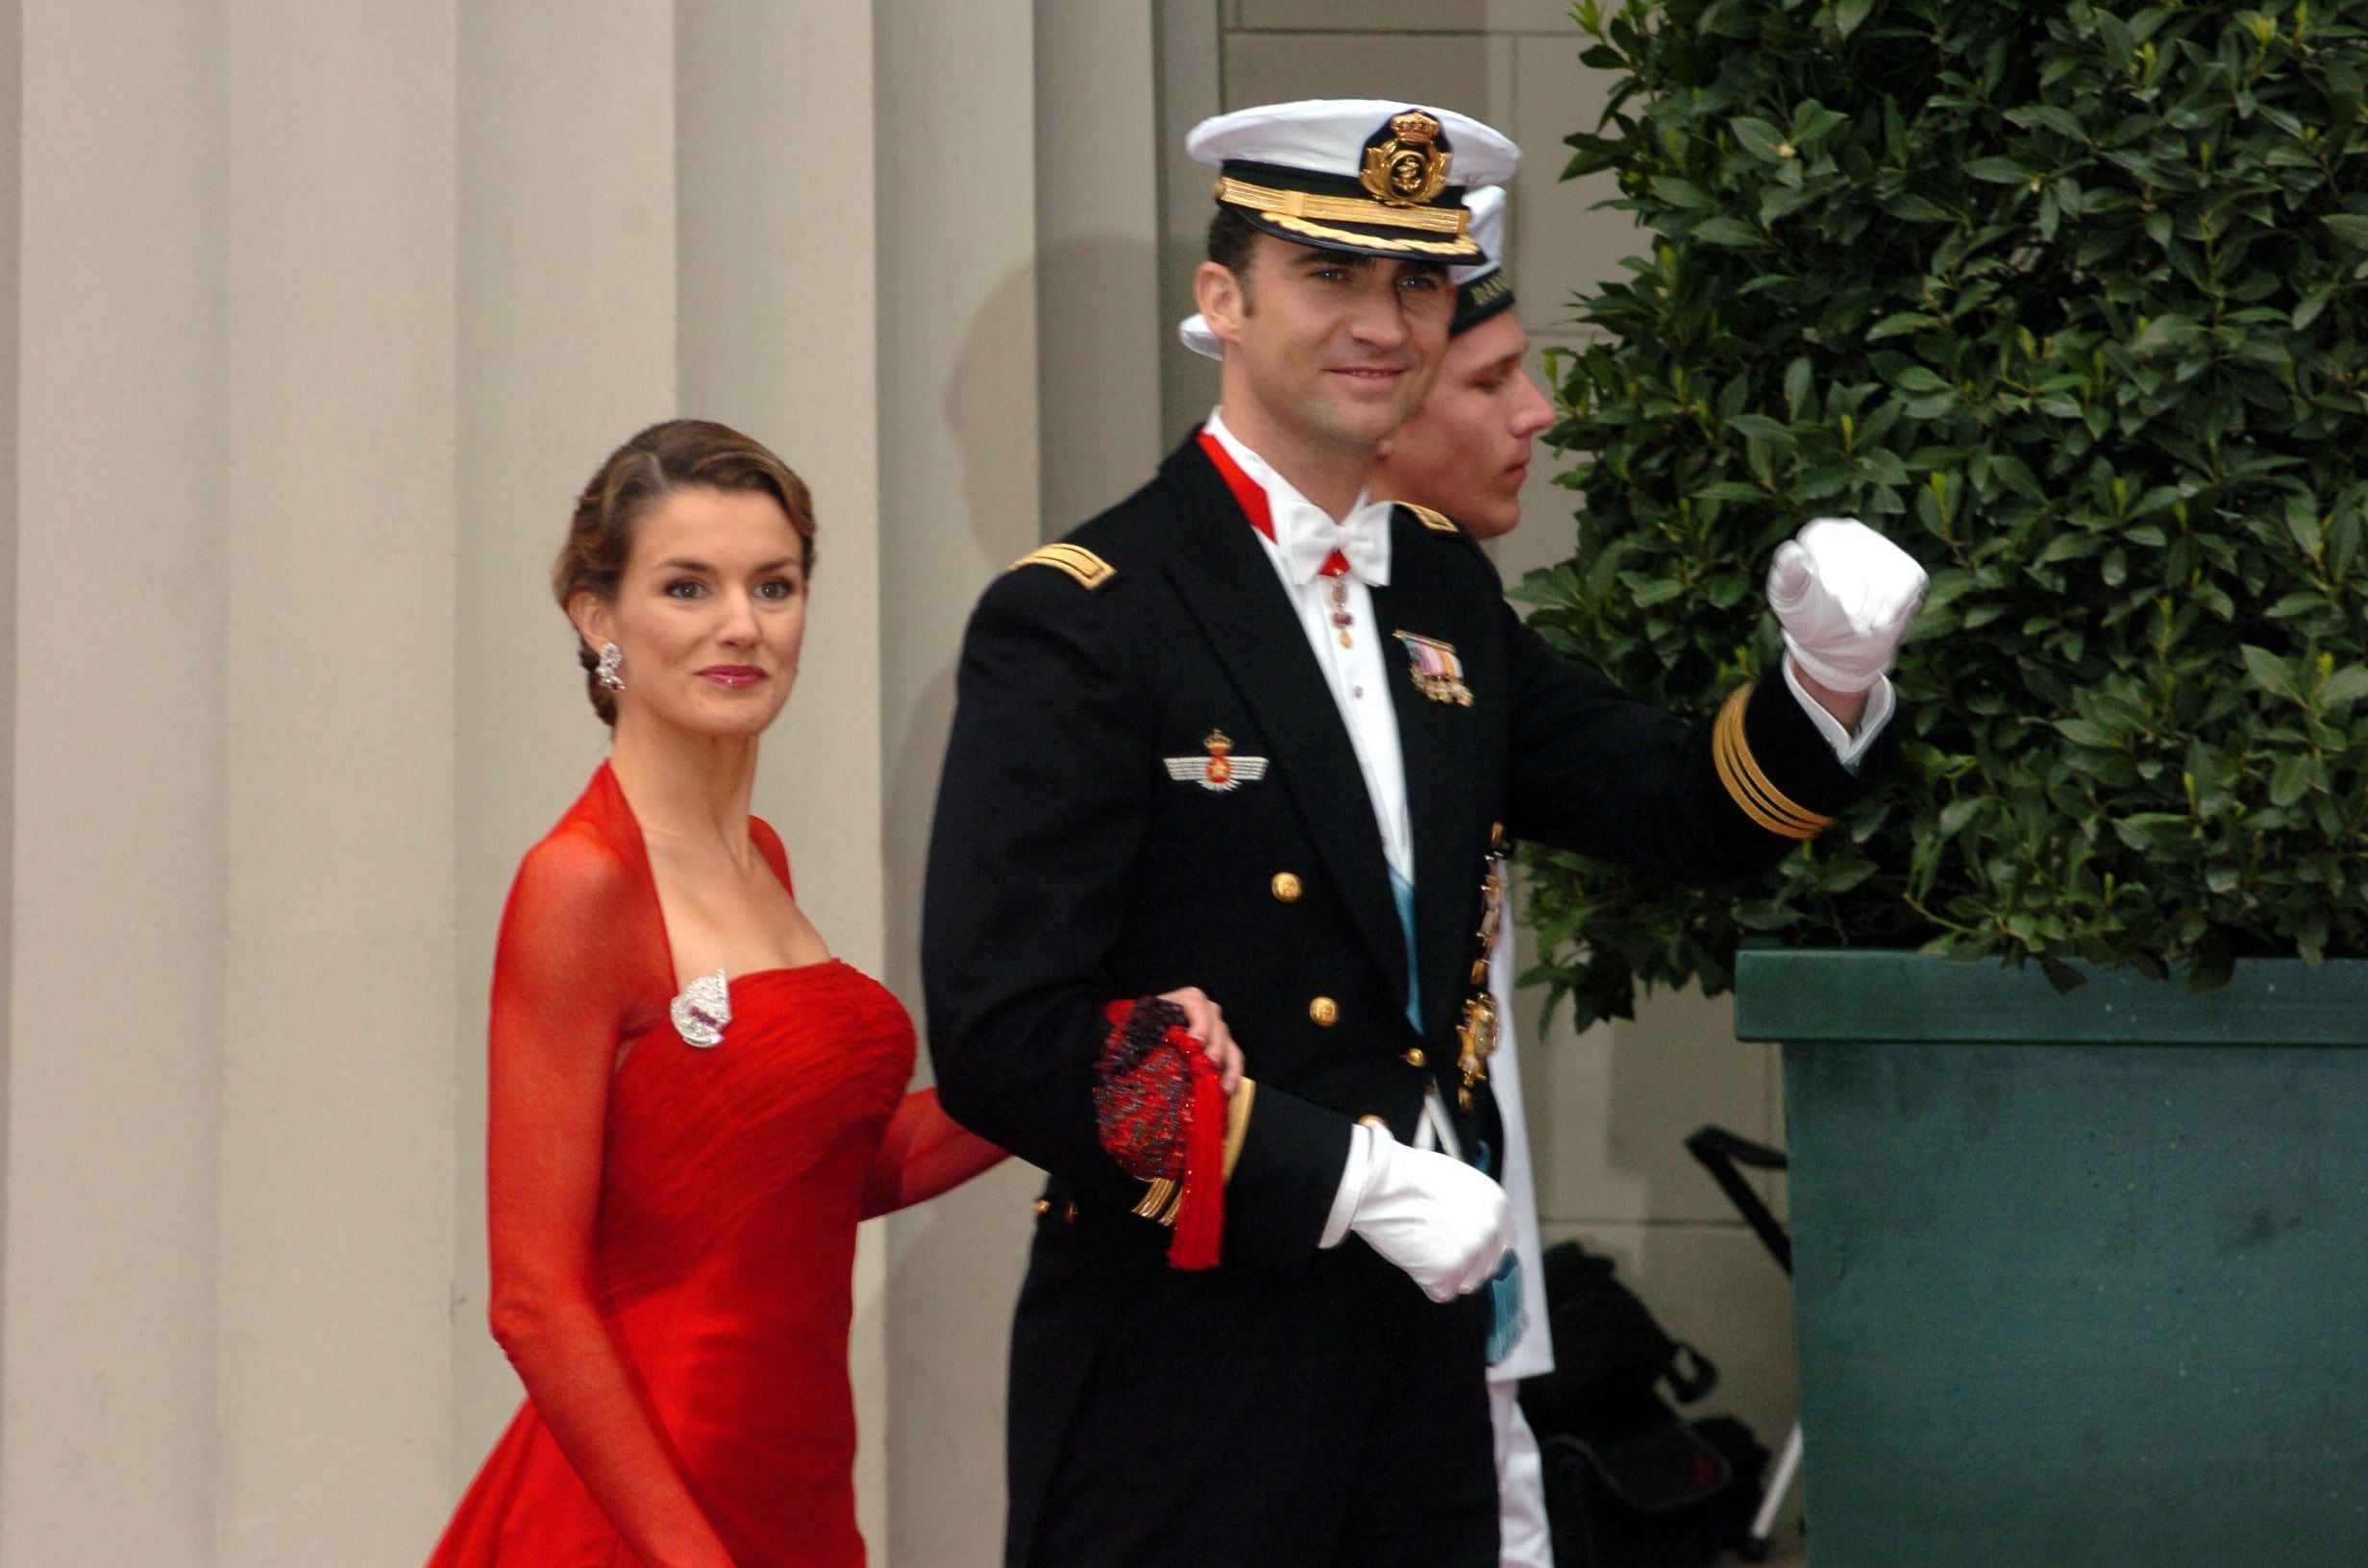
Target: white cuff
(1848,748)
(1353,1174)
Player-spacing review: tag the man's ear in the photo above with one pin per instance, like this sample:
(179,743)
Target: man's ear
(1223,299)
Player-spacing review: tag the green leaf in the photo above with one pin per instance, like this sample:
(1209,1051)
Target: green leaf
(1760,139)
(2349,227)
(1957,813)
(1915,208)
(1761,427)
(1851,14)
(1999,171)
(1899,325)
(2292,778)
(1681,193)
(2063,122)
(2345,686)
(2085,732)
(1725,231)
(2268,672)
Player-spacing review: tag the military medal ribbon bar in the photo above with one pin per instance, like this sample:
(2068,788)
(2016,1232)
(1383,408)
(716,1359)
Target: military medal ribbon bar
(1438,674)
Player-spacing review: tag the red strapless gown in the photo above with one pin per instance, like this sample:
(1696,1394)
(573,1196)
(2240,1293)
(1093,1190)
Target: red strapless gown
(732,1180)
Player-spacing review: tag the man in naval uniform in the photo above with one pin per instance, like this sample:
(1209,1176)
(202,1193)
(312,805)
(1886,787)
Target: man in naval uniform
(1252,738)
(1465,455)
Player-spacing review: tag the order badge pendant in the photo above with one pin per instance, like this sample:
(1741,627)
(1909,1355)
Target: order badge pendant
(1219,771)
(1438,674)
(702,1009)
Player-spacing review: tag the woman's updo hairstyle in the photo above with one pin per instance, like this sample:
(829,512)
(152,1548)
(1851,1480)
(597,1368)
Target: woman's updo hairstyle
(678,455)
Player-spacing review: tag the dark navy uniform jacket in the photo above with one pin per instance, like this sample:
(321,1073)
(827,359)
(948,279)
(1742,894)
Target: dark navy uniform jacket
(1070,865)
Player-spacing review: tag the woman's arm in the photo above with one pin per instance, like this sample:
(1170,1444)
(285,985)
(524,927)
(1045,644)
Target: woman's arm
(559,997)
(925,1152)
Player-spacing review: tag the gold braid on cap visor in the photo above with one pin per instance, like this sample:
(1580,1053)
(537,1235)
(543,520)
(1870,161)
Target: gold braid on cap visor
(1295,210)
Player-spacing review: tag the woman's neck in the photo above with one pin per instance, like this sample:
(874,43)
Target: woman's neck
(686,788)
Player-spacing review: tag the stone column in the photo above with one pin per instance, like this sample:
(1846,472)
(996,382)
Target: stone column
(118,915)
(566,305)
(333,1190)
(960,500)
(780,337)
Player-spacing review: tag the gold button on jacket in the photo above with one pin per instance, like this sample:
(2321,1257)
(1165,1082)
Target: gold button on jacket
(1286,887)
(1415,1057)
(1325,1011)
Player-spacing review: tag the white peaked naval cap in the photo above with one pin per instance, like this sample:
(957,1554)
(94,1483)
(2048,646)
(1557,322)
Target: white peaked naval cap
(1487,206)
(1371,175)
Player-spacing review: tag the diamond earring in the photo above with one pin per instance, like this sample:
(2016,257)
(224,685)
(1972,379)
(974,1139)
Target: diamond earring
(612,658)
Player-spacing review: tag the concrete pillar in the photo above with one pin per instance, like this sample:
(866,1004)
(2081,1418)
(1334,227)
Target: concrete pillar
(957,292)
(566,307)
(1098,331)
(118,911)
(335,1184)
(778,337)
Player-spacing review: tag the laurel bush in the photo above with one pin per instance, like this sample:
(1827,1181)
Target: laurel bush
(2073,304)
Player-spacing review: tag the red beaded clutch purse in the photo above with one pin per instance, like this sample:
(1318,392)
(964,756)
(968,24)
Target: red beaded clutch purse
(1160,1107)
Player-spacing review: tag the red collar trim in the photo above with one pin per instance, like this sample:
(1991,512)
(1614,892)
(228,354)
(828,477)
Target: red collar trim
(1247,491)
(1252,497)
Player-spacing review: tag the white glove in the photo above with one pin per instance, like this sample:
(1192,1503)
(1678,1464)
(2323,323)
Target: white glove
(1845,596)
(1443,1222)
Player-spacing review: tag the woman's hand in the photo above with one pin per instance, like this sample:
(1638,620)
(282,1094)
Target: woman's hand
(1207,1023)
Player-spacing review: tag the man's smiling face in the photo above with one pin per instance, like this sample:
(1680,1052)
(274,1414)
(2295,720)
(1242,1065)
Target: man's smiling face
(1337,349)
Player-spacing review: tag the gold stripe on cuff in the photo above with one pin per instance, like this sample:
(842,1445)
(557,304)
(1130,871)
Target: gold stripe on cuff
(1237,1122)
(1157,1194)
(1739,771)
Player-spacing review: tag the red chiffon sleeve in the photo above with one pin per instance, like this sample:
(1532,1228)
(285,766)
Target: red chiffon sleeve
(572,974)
(925,1152)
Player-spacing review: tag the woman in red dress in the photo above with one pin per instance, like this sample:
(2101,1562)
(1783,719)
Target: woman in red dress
(692,1103)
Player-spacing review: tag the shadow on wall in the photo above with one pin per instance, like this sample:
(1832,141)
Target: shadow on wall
(954,1264)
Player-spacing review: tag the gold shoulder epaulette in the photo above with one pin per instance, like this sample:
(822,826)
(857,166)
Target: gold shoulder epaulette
(1436,521)
(1739,771)
(1089,569)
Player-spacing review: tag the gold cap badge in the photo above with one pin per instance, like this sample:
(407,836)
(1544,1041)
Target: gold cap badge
(1408,168)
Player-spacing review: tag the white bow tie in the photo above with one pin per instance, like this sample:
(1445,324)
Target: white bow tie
(1308,538)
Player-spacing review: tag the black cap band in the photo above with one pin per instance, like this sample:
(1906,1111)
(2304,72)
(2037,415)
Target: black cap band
(1475,301)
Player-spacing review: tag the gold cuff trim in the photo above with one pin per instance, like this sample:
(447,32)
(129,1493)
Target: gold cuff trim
(1302,204)
(1739,771)
(1089,569)
(1237,1122)
(1436,521)
(1162,1200)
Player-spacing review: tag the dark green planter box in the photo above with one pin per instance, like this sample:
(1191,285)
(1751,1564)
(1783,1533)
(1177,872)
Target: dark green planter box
(2082,1280)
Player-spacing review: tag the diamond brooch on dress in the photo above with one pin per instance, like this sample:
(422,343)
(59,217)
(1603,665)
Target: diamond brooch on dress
(702,1010)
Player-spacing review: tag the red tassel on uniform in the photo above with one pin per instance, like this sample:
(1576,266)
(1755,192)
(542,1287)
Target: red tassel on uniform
(1200,1220)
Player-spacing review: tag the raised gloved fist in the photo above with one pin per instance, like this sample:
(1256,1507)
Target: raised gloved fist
(1443,1222)
(1845,597)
